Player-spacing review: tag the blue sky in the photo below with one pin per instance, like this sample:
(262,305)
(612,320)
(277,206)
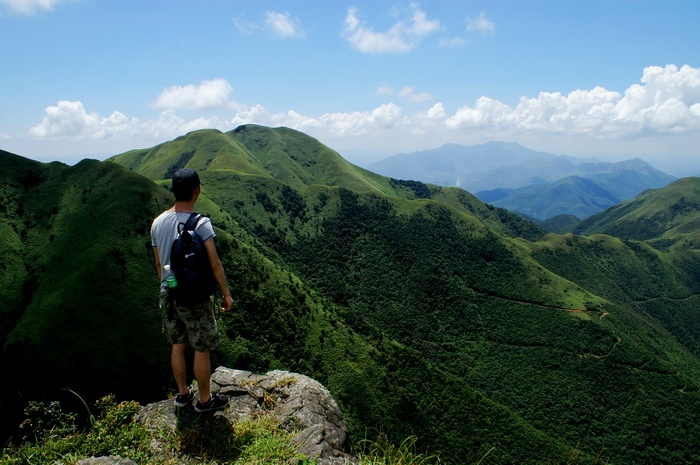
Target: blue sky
(612,79)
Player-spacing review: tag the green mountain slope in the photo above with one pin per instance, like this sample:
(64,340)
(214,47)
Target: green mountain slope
(665,217)
(434,272)
(86,315)
(422,309)
(286,155)
(662,227)
(75,276)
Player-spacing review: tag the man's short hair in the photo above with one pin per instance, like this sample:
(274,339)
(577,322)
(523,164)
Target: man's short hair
(185,181)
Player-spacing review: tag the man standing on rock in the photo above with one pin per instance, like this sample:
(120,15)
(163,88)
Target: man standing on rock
(189,323)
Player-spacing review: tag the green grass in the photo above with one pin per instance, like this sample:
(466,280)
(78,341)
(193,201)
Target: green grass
(116,432)
(381,451)
(53,438)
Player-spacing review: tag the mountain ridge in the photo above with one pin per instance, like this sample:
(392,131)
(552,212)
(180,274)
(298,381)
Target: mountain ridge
(536,347)
(522,181)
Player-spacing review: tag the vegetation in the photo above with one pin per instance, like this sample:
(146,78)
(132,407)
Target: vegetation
(52,436)
(425,312)
(666,218)
(116,432)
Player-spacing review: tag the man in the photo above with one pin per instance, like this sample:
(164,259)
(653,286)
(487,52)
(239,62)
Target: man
(192,324)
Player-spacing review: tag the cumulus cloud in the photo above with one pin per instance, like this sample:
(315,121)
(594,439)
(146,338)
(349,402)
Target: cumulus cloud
(70,120)
(402,37)
(665,102)
(436,112)
(283,24)
(29,7)
(480,24)
(209,95)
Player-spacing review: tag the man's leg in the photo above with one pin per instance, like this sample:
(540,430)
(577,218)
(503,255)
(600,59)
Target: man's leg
(177,361)
(202,371)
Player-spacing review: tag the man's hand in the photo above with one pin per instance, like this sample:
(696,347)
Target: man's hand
(227,302)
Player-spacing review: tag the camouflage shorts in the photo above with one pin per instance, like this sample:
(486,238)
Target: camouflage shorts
(193,324)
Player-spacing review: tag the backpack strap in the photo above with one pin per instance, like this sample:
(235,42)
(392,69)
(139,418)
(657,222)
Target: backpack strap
(190,224)
(192,221)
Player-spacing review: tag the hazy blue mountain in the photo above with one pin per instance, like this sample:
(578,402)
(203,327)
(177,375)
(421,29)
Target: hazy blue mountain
(451,164)
(597,186)
(525,181)
(627,178)
(574,195)
(536,184)
(534,171)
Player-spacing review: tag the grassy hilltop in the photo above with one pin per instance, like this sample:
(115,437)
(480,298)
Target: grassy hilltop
(425,311)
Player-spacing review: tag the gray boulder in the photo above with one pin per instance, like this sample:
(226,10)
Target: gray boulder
(300,404)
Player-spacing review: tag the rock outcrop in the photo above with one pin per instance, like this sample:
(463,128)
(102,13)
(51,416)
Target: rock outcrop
(300,404)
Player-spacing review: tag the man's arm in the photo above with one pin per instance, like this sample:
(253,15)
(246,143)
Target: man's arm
(219,274)
(155,252)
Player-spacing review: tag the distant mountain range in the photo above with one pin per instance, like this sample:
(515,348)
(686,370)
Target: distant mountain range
(535,184)
(426,312)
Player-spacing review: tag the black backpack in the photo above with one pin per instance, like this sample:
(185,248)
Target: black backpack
(190,263)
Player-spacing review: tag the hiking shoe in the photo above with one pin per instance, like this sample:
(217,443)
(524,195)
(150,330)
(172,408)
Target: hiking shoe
(181,400)
(217,402)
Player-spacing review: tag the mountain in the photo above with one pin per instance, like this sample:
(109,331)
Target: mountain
(598,187)
(423,310)
(658,245)
(569,196)
(625,179)
(75,279)
(667,218)
(535,184)
(451,164)
(534,171)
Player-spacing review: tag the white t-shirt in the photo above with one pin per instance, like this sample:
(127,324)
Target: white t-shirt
(164,231)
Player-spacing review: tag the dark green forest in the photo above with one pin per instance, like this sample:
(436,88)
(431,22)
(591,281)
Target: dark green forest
(425,311)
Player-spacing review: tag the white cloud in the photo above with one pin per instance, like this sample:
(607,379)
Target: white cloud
(480,24)
(407,93)
(384,90)
(70,120)
(209,95)
(244,26)
(436,112)
(410,94)
(452,42)
(402,37)
(29,7)
(362,123)
(283,25)
(666,102)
